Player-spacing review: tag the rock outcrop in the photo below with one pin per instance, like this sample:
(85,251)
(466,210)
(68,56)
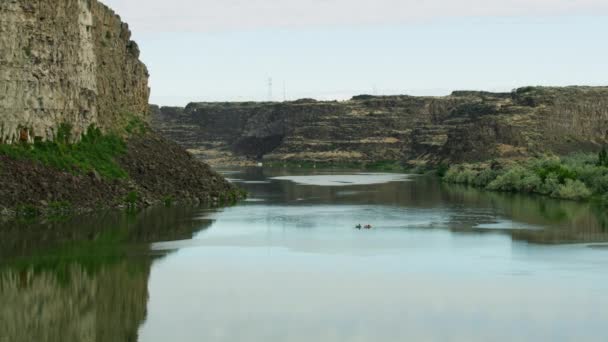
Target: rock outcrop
(465,126)
(67,65)
(66,61)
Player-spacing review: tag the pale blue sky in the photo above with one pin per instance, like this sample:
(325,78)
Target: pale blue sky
(194,55)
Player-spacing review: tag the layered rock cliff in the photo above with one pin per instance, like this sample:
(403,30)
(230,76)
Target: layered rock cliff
(465,126)
(66,61)
(65,66)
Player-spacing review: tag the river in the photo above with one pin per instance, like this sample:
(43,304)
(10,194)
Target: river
(441,263)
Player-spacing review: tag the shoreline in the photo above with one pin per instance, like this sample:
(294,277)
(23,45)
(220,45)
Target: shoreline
(572,186)
(150,171)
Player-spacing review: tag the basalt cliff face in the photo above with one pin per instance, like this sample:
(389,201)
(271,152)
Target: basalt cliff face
(71,64)
(465,126)
(66,61)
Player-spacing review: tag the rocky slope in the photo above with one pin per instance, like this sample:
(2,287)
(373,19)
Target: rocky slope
(66,61)
(465,126)
(159,171)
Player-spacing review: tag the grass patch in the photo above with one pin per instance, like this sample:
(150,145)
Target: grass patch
(94,152)
(27,212)
(131,200)
(136,126)
(168,201)
(575,177)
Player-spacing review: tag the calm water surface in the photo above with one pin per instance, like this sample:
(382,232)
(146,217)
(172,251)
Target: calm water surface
(442,263)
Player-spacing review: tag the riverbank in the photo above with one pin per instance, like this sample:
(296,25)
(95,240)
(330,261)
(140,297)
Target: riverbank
(104,171)
(576,177)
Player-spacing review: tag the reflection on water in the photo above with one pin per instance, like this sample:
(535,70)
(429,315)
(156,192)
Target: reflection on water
(85,279)
(467,209)
(74,304)
(443,262)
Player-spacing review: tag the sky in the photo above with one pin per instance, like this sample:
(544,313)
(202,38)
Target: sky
(228,50)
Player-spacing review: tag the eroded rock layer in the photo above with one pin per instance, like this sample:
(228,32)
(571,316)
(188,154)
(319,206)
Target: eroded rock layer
(66,61)
(465,126)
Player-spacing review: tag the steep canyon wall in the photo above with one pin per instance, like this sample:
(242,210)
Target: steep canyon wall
(66,61)
(465,126)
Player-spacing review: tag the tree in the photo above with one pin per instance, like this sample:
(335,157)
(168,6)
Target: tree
(603,158)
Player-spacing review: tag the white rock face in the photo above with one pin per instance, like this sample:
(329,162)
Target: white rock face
(66,61)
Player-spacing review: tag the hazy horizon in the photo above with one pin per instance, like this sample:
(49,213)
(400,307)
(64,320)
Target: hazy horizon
(208,51)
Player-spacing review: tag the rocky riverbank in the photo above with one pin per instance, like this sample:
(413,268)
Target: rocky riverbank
(151,171)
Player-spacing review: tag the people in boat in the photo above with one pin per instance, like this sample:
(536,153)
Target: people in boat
(368,226)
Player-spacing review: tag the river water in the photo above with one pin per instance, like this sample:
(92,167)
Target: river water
(441,263)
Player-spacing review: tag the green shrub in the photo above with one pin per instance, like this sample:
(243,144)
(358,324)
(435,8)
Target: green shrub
(485,177)
(94,152)
(461,174)
(575,177)
(131,199)
(442,169)
(603,158)
(573,190)
(27,212)
(168,201)
(515,179)
(550,186)
(136,126)
(544,167)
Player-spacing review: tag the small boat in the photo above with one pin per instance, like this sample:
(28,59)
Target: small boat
(358,226)
(368,226)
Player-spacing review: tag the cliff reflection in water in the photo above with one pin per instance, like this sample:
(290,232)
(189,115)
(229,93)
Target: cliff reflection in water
(88,279)
(85,279)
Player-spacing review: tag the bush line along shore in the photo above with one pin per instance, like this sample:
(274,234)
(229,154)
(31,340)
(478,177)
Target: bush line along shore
(579,176)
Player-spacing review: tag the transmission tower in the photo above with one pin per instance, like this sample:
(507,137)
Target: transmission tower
(284,92)
(270,89)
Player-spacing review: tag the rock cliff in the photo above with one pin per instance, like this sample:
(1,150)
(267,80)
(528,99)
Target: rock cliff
(66,61)
(465,126)
(67,65)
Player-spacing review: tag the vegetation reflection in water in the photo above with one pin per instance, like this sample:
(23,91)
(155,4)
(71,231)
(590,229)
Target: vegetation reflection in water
(87,279)
(84,279)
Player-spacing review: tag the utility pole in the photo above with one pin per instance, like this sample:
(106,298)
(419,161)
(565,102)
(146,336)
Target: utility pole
(284,92)
(270,89)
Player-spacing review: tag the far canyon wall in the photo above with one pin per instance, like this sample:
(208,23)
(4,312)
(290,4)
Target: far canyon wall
(465,126)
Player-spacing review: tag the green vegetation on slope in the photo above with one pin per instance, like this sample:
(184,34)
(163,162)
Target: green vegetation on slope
(575,177)
(94,152)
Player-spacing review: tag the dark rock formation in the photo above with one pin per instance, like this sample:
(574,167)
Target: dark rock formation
(158,170)
(465,126)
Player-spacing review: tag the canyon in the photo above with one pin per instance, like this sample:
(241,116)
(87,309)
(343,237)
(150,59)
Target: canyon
(462,127)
